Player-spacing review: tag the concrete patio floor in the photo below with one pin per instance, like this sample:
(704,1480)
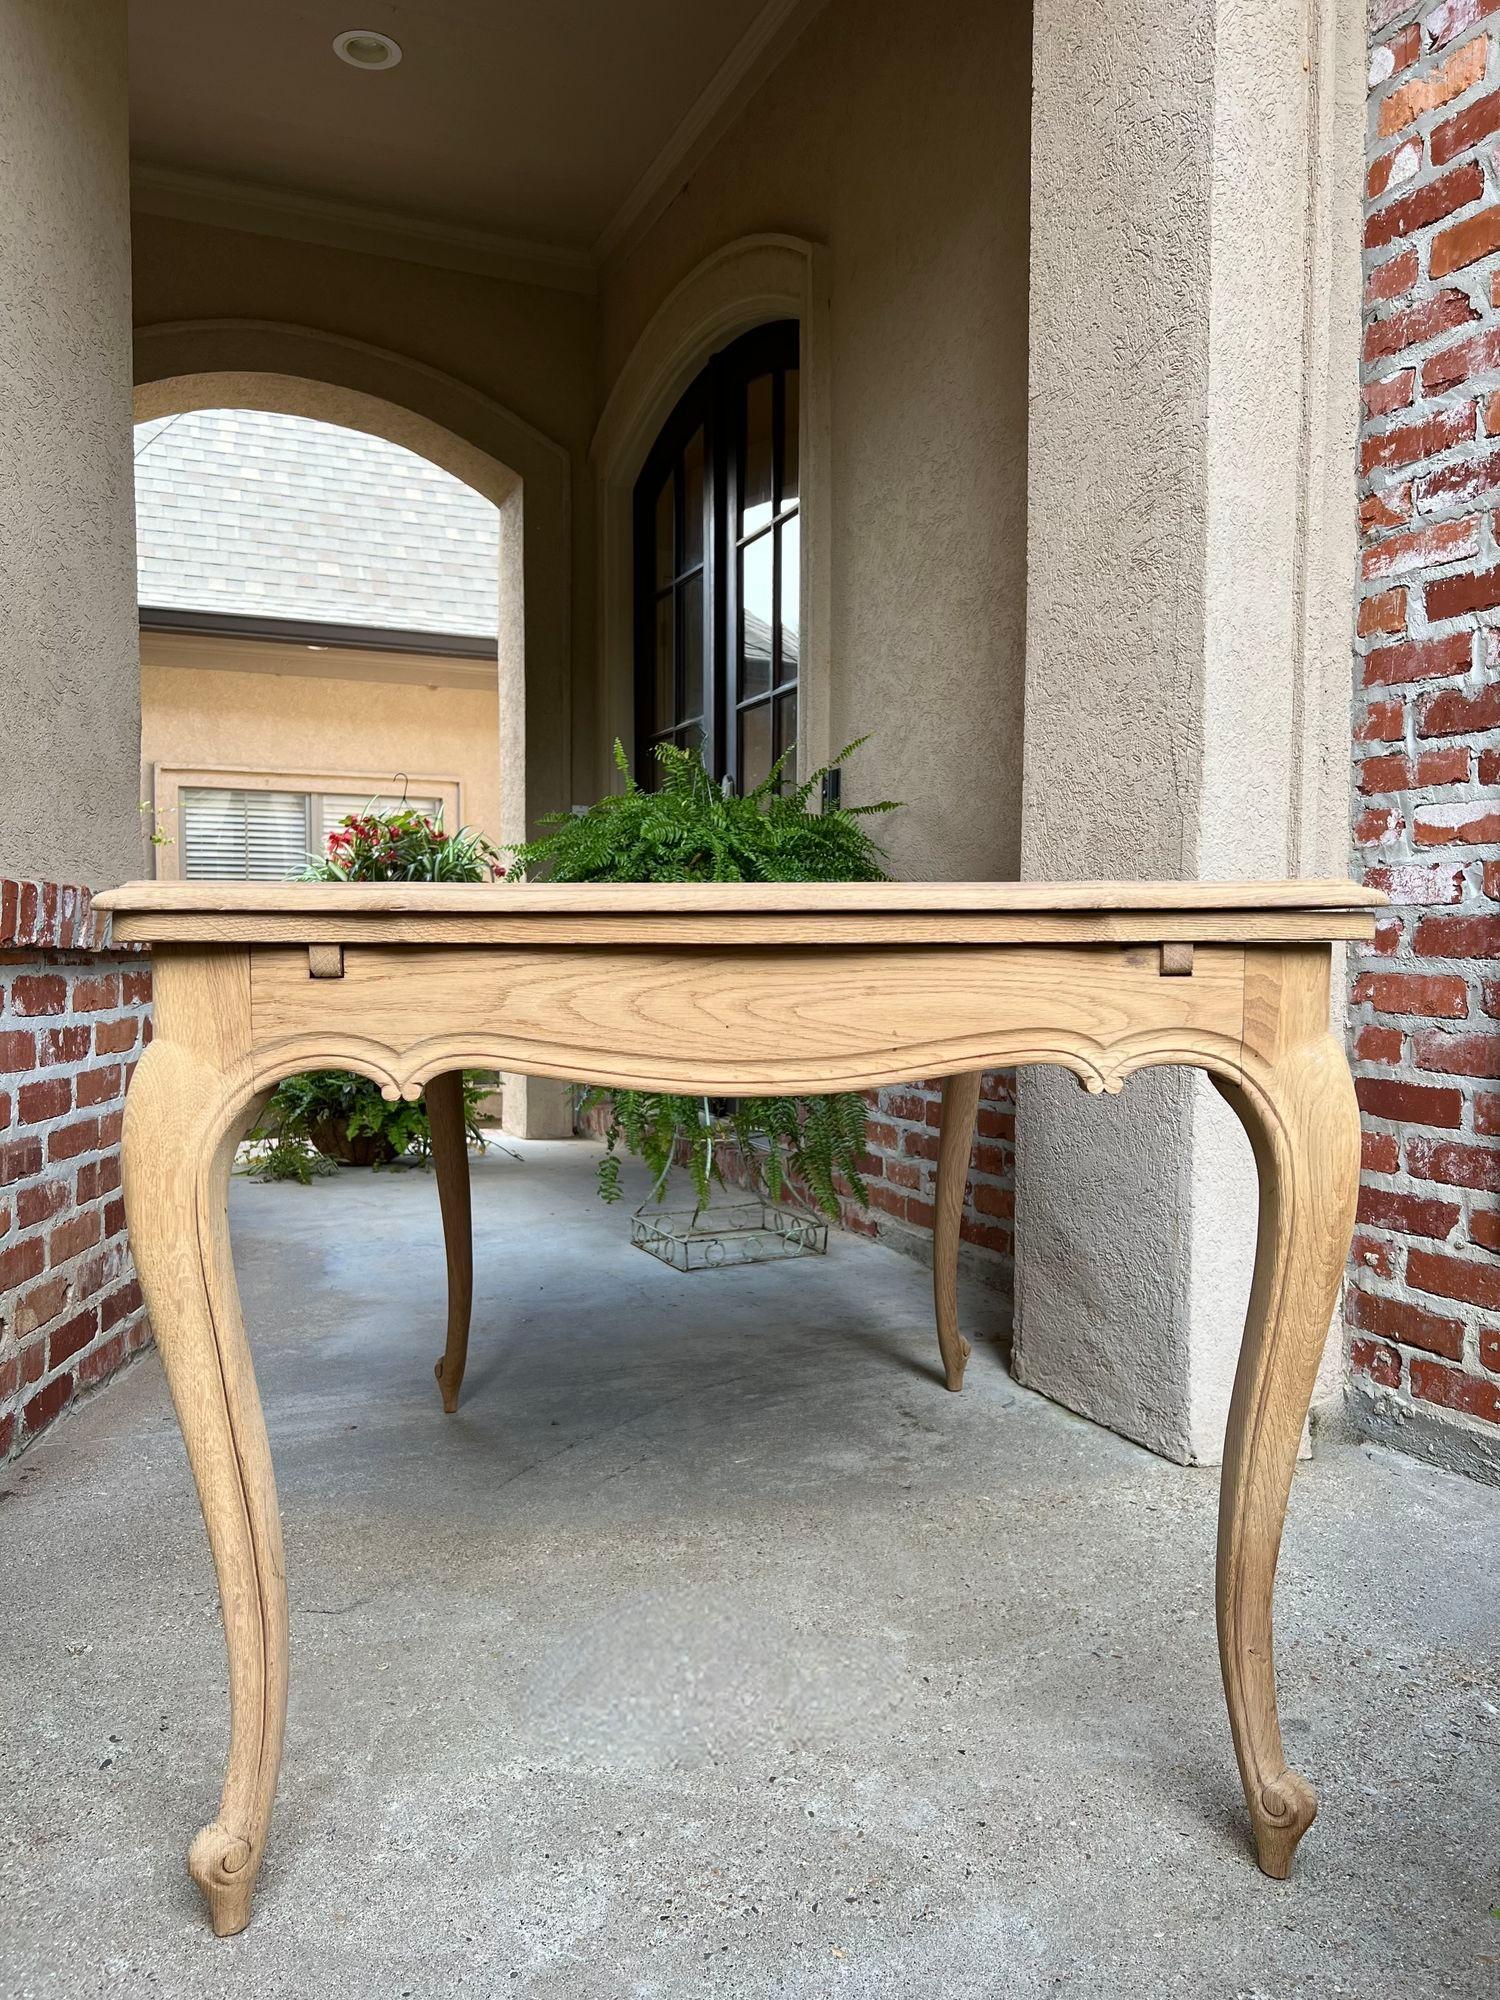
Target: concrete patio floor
(712,1648)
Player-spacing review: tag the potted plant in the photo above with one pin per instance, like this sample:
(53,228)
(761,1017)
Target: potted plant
(693,829)
(320,1120)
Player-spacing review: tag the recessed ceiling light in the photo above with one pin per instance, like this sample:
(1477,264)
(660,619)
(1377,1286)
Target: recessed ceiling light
(366,48)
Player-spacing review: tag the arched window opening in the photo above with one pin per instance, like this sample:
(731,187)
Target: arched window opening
(718,570)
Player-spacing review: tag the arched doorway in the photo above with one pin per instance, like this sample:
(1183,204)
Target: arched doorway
(294,372)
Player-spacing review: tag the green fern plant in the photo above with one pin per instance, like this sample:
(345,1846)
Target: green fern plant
(692,829)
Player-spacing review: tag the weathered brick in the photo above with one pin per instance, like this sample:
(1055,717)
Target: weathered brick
(1418,882)
(1462,1278)
(1457,1055)
(1426,438)
(1440,85)
(1390,392)
(21,1261)
(115,1038)
(1379,1045)
(1453,712)
(1466,128)
(66,1142)
(64,1341)
(47,1403)
(46,1098)
(1464,822)
(1424,205)
(1393,169)
(1420,548)
(1475,1397)
(40,1304)
(1418,659)
(1438,995)
(1374,1358)
(1399,1320)
(1473,478)
(71,1238)
(1459,937)
(1383,612)
(65,1045)
(1379,1153)
(1393,279)
(1453,1162)
(1373,1253)
(1453,18)
(1413,1215)
(90,996)
(38,993)
(1464,243)
(1410,1103)
(1416,324)
(1479,354)
(40,1201)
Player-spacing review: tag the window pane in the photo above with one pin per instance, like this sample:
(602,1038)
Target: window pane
(755,618)
(233,836)
(665,551)
(666,690)
(691,597)
(755,745)
(790,534)
(755,468)
(692,501)
(790,465)
(786,734)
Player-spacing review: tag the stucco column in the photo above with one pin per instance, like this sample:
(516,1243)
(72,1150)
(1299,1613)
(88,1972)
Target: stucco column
(1191,539)
(70,713)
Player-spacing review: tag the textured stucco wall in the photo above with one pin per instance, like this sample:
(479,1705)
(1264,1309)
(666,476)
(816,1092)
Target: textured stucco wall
(898,138)
(298,723)
(1194,322)
(70,715)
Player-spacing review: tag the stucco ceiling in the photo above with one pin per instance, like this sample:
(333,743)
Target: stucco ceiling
(532,119)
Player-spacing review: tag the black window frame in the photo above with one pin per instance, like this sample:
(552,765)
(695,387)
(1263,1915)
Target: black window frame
(715,401)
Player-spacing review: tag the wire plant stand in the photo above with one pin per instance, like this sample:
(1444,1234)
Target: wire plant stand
(747,1229)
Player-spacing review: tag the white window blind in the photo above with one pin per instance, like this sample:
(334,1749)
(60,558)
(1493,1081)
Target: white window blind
(253,836)
(230,836)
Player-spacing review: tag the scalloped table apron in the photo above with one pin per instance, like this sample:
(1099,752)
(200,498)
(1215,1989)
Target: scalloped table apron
(730,990)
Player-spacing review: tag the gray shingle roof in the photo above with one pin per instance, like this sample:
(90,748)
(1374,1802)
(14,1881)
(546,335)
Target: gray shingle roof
(243,511)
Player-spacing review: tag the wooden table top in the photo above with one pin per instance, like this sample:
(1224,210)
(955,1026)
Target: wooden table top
(730,912)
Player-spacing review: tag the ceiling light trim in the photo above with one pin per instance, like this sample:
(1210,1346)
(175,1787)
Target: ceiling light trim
(752,59)
(183,196)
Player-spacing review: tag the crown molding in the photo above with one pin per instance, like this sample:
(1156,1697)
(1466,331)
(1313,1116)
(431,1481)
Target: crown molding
(184,196)
(341,225)
(763,45)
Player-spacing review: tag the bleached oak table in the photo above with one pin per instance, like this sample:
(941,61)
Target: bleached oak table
(729,991)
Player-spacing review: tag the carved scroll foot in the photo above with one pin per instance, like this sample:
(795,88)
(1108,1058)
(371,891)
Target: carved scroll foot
(225,1867)
(960,1109)
(1297,1103)
(444,1097)
(181,1127)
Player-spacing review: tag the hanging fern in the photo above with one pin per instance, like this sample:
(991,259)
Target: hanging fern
(692,829)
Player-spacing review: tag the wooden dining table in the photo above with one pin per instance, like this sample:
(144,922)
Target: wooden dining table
(729,990)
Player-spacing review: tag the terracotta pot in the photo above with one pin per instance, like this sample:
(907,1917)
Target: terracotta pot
(332,1138)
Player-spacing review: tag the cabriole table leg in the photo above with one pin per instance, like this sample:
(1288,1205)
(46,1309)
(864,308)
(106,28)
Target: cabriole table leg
(179,1141)
(955,1141)
(444,1097)
(1297,1103)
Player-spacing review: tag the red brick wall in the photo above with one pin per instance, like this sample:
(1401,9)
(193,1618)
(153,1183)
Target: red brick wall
(73,1021)
(1424,1305)
(902,1165)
